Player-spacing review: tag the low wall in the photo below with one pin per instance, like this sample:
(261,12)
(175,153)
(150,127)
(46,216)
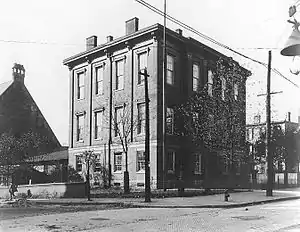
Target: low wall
(49,190)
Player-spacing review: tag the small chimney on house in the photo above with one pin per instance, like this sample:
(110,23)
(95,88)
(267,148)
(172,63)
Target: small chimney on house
(132,25)
(109,38)
(289,116)
(91,42)
(18,72)
(179,31)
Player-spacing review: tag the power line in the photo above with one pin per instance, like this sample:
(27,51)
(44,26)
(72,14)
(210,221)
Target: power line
(178,22)
(37,42)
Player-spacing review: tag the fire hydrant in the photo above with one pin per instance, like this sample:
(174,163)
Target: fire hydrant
(226,195)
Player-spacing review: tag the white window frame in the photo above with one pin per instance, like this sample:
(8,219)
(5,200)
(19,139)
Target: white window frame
(141,118)
(79,128)
(142,67)
(99,82)
(170,120)
(140,163)
(196,77)
(118,165)
(80,80)
(78,163)
(120,76)
(118,117)
(170,69)
(198,164)
(210,82)
(98,115)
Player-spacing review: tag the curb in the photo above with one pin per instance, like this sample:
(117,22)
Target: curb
(149,205)
(237,205)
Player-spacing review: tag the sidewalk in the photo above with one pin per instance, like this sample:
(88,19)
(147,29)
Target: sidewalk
(238,199)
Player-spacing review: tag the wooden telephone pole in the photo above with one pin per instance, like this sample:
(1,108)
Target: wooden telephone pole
(147,139)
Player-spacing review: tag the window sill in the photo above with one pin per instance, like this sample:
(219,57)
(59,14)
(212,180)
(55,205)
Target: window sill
(140,172)
(198,173)
(140,84)
(117,172)
(99,94)
(118,90)
(170,172)
(80,99)
(79,141)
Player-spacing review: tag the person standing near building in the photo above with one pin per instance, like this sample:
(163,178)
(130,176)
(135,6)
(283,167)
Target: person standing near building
(12,189)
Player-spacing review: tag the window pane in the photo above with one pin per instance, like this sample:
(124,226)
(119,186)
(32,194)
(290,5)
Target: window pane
(170,70)
(236,91)
(171,161)
(80,85)
(80,127)
(170,121)
(210,83)
(141,118)
(197,164)
(120,74)
(118,161)
(223,88)
(99,79)
(140,161)
(98,124)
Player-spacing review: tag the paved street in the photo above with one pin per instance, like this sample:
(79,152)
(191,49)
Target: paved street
(276,217)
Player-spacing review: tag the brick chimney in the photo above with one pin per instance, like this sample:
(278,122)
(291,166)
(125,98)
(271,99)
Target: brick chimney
(179,31)
(18,72)
(109,38)
(91,42)
(132,25)
(289,116)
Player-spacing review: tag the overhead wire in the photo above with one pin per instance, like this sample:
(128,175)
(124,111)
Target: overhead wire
(178,22)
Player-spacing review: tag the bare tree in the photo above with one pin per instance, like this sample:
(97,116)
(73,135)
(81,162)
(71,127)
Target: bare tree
(124,124)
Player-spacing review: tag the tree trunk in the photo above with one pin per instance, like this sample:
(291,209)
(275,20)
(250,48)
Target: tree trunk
(88,187)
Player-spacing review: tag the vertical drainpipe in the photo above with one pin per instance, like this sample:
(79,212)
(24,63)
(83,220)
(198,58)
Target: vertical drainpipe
(71,102)
(110,118)
(132,90)
(91,103)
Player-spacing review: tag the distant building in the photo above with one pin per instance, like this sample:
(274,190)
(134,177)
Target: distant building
(105,78)
(20,114)
(258,127)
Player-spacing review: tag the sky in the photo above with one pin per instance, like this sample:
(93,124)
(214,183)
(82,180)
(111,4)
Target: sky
(40,34)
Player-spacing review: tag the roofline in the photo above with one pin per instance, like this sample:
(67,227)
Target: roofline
(112,43)
(155,27)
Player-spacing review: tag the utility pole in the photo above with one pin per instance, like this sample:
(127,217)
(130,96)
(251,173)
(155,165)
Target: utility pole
(147,139)
(269,191)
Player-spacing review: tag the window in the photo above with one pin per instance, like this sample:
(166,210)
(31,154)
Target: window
(170,121)
(99,79)
(118,161)
(80,127)
(80,85)
(118,121)
(210,82)
(78,163)
(170,69)
(98,123)
(140,161)
(250,134)
(198,158)
(97,167)
(235,91)
(196,76)
(171,161)
(142,65)
(120,74)
(223,86)
(141,118)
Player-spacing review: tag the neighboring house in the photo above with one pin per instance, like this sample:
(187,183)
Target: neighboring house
(106,77)
(20,114)
(253,132)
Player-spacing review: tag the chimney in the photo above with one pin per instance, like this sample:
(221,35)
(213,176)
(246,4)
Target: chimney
(109,38)
(289,116)
(179,31)
(91,42)
(18,71)
(132,25)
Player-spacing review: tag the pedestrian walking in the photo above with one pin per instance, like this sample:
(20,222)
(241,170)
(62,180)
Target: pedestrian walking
(12,189)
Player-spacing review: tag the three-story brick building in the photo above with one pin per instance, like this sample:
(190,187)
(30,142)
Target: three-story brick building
(105,79)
